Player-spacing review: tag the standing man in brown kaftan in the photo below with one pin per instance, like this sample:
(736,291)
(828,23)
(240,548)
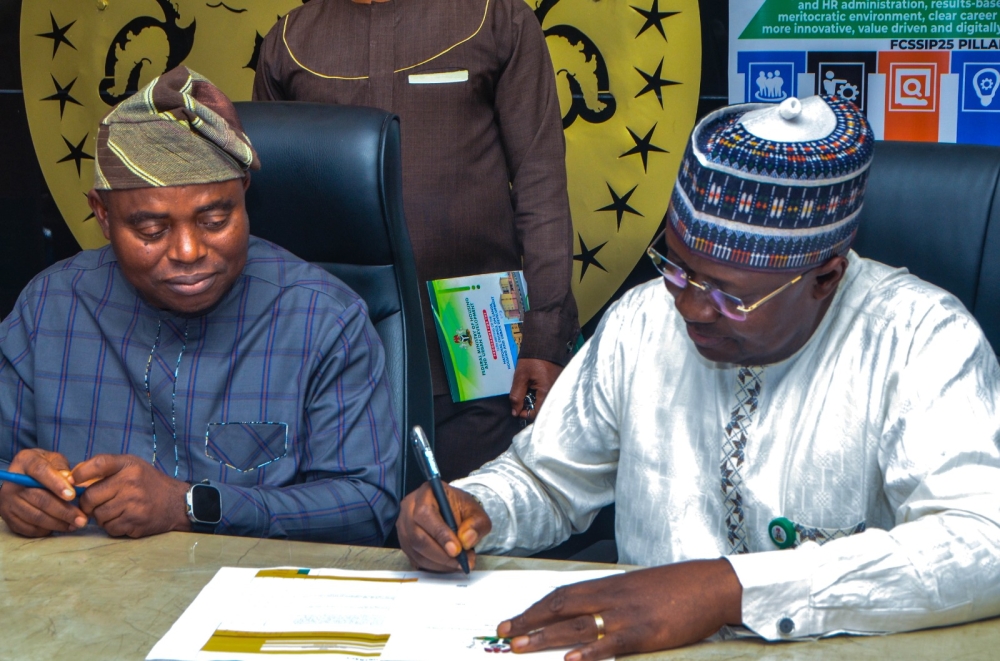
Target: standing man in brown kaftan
(484,178)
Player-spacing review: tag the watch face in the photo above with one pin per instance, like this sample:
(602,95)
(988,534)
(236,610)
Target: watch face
(206,503)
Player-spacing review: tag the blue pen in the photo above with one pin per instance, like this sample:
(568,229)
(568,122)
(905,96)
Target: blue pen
(25,481)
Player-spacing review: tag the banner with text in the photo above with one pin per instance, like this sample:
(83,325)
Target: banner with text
(925,70)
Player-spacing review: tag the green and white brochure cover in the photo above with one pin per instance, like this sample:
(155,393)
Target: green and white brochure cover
(478,320)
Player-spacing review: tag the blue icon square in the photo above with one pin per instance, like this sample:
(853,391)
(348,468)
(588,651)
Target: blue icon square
(981,86)
(978,120)
(770,76)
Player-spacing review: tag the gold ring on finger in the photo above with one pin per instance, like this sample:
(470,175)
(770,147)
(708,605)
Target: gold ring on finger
(599,621)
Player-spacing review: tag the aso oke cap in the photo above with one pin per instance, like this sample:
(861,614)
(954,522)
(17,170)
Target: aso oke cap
(773,187)
(179,129)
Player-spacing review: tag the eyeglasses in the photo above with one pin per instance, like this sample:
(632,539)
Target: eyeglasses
(728,305)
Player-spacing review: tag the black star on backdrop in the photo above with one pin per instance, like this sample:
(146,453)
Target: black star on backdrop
(62,95)
(654,83)
(643,146)
(586,257)
(91,213)
(76,153)
(58,35)
(654,18)
(620,204)
(255,56)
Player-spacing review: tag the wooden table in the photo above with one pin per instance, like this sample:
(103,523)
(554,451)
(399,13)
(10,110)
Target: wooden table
(85,597)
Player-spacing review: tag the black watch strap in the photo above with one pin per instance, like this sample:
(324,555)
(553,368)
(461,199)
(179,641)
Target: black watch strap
(206,528)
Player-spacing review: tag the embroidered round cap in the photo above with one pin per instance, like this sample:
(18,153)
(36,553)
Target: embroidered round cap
(773,187)
(180,129)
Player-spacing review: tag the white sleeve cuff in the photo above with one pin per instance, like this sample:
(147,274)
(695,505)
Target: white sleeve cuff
(776,587)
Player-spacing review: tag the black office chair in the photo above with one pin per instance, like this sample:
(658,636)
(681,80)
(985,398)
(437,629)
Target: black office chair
(330,191)
(935,209)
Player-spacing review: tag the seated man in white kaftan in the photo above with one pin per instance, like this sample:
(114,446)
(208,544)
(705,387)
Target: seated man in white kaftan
(780,392)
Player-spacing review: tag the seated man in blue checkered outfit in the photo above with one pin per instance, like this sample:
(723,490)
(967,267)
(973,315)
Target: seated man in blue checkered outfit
(798,440)
(189,375)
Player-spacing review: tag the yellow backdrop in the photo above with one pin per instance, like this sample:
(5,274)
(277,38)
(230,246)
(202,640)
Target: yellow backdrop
(628,73)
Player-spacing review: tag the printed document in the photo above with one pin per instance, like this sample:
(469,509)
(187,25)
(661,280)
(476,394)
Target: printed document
(289,613)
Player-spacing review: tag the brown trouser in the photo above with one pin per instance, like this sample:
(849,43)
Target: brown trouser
(468,434)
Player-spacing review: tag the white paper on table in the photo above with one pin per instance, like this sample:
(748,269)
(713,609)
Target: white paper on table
(428,617)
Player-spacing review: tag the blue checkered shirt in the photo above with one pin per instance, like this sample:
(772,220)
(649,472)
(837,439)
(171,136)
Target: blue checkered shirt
(277,395)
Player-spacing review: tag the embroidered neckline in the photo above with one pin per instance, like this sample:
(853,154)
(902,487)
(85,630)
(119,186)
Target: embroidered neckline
(173,394)
(284,39)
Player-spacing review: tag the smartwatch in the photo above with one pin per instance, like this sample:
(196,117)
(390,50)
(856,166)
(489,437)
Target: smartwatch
(204,507)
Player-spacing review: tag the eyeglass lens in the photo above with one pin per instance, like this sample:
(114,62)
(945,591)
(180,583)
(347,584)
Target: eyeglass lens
(676,276)
(726,305)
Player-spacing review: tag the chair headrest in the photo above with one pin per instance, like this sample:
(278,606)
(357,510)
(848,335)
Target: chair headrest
(323,163)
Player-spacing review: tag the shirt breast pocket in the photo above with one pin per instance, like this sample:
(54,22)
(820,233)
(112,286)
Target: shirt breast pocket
(446,77)
(246,446)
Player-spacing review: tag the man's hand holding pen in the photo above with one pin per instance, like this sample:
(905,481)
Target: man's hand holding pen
(599,619)
(428,541)
(40,512)
(125,496)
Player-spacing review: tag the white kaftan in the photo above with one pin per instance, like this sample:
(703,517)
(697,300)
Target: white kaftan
(887,421)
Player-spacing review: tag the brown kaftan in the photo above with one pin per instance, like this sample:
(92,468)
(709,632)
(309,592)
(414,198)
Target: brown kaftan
(484,178)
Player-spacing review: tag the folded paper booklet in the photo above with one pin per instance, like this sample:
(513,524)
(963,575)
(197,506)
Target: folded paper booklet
(478,320)
(286,613)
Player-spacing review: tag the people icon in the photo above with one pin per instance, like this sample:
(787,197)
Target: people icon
(761,84)
(770,86)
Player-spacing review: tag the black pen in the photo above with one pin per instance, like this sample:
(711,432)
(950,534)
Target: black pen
(428,465)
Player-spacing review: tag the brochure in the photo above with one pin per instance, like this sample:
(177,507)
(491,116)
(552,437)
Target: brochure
(478,320)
